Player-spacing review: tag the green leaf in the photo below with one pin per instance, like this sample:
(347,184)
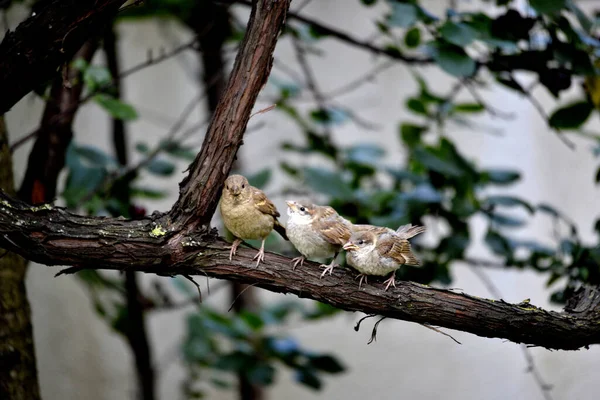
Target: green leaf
(161,167)
(326,363)
(468,107)
(571,116)
(96,76)
(548,6)
(327,182)
(416,105)
(261,178)
(142,148)
(497,243)
(403,14)
(308,378)
(412,38)
(501,176)
(177,150)
(435,163)
(452,59)
(116,108)
(94,156)
(411,134)
(457,33)
(505,220)
(365,153)
(510,201)
(253,320)
(261,374)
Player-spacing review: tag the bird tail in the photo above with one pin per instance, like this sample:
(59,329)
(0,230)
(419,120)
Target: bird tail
(408,231)
(407,254)
(280,229)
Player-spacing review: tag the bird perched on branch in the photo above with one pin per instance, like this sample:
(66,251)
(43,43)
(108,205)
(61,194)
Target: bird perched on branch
(316,232)
(374,250)
(248,214)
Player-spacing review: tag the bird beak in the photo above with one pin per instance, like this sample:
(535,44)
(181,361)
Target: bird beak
(235,190)
(350,247)
(291,204)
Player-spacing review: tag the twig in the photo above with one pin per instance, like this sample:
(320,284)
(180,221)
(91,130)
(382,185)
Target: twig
(350,40)
(311,82)
(540,109)
(357,326)
(439,331)
(374,332)
(149,62)
(239,295)
(361,80)
(491,110)
(189,278)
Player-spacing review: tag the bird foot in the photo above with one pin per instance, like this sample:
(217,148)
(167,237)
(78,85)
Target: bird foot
(328,268)
(362,277)
(234,247)
(260,256)
(390,282)
(296,261)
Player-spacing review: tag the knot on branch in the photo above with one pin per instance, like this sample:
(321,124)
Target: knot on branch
(585,300)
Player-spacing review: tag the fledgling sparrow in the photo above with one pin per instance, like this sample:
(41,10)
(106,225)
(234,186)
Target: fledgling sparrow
(316,232)
(374,250)
(248,214)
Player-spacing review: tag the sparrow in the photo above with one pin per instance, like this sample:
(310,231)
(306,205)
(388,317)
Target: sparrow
(248,214)
(316,232)
(374,250)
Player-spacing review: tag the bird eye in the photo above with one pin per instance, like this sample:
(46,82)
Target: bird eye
(302,209)
(227,187)
(361,242)
(243,186)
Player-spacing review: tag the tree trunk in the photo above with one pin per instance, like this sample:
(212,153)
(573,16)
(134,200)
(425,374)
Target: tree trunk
(18,373)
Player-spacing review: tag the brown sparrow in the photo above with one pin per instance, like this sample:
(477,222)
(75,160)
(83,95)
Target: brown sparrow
(317,232)
(374,250)
(248,214)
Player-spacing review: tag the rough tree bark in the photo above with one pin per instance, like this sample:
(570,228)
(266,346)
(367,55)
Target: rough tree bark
(18,372)
(47,158)
(211,23)
(31,54)
(180,241)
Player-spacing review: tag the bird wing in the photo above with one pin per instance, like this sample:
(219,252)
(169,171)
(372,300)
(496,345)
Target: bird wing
(408,231)
(263,204)
(397,249)
(334,230)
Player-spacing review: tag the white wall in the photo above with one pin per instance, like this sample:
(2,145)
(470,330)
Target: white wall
(79,357)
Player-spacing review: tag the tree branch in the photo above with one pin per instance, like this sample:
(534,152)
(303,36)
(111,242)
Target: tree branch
(54,236)
(31,55)
(201,189)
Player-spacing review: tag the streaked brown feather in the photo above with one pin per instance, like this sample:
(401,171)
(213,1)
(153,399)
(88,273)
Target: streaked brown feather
(263,204)
(334,231)
(398,249)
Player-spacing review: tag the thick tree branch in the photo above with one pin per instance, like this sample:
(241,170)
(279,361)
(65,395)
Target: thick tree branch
(54,236)
(201,189)
(47,158)
(32,54)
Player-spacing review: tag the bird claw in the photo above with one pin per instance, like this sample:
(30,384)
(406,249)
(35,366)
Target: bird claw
(297,260)
(234,247)
(391,281)
(362,277)
(260,256)
(328,268)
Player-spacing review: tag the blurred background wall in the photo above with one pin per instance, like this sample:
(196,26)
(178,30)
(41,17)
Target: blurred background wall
(80,358)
